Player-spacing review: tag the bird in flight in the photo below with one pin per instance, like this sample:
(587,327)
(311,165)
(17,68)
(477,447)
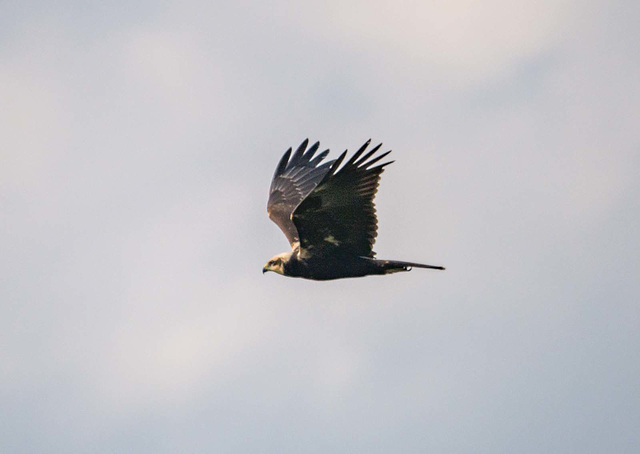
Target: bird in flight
(328,215)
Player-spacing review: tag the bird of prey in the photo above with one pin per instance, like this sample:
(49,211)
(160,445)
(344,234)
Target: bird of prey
(328,215)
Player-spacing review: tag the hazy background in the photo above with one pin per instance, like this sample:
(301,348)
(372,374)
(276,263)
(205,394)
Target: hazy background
(137,144)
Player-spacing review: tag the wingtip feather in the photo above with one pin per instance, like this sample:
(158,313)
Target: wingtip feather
(358,153)
(368,155)
(299,153)
(336,163)
(318,159)
(376,159)
(282,164)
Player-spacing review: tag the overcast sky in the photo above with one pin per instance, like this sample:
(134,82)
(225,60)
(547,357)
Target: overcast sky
(137,144)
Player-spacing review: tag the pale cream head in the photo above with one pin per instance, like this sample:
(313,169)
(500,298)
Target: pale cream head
(276,263)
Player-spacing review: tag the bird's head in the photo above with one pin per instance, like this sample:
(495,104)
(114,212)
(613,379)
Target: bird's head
(276,263)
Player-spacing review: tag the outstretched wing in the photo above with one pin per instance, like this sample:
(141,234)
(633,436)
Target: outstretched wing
(295,177)
(339,215)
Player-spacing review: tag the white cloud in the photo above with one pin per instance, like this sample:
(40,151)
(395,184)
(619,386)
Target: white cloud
(460,42)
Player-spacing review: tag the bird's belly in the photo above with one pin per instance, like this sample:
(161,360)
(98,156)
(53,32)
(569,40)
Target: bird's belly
(339,267)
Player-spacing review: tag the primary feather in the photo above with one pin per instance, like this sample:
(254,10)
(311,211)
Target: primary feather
(295,177)
(327,213)
(339,214)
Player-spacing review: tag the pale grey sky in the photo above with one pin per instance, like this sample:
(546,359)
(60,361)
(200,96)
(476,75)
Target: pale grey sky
(137,143)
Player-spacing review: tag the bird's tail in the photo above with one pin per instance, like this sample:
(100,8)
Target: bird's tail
(395,266)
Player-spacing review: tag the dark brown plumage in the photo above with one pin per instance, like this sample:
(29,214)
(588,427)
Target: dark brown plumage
(328,215)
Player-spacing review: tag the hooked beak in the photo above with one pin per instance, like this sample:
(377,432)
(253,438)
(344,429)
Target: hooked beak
(264,270)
